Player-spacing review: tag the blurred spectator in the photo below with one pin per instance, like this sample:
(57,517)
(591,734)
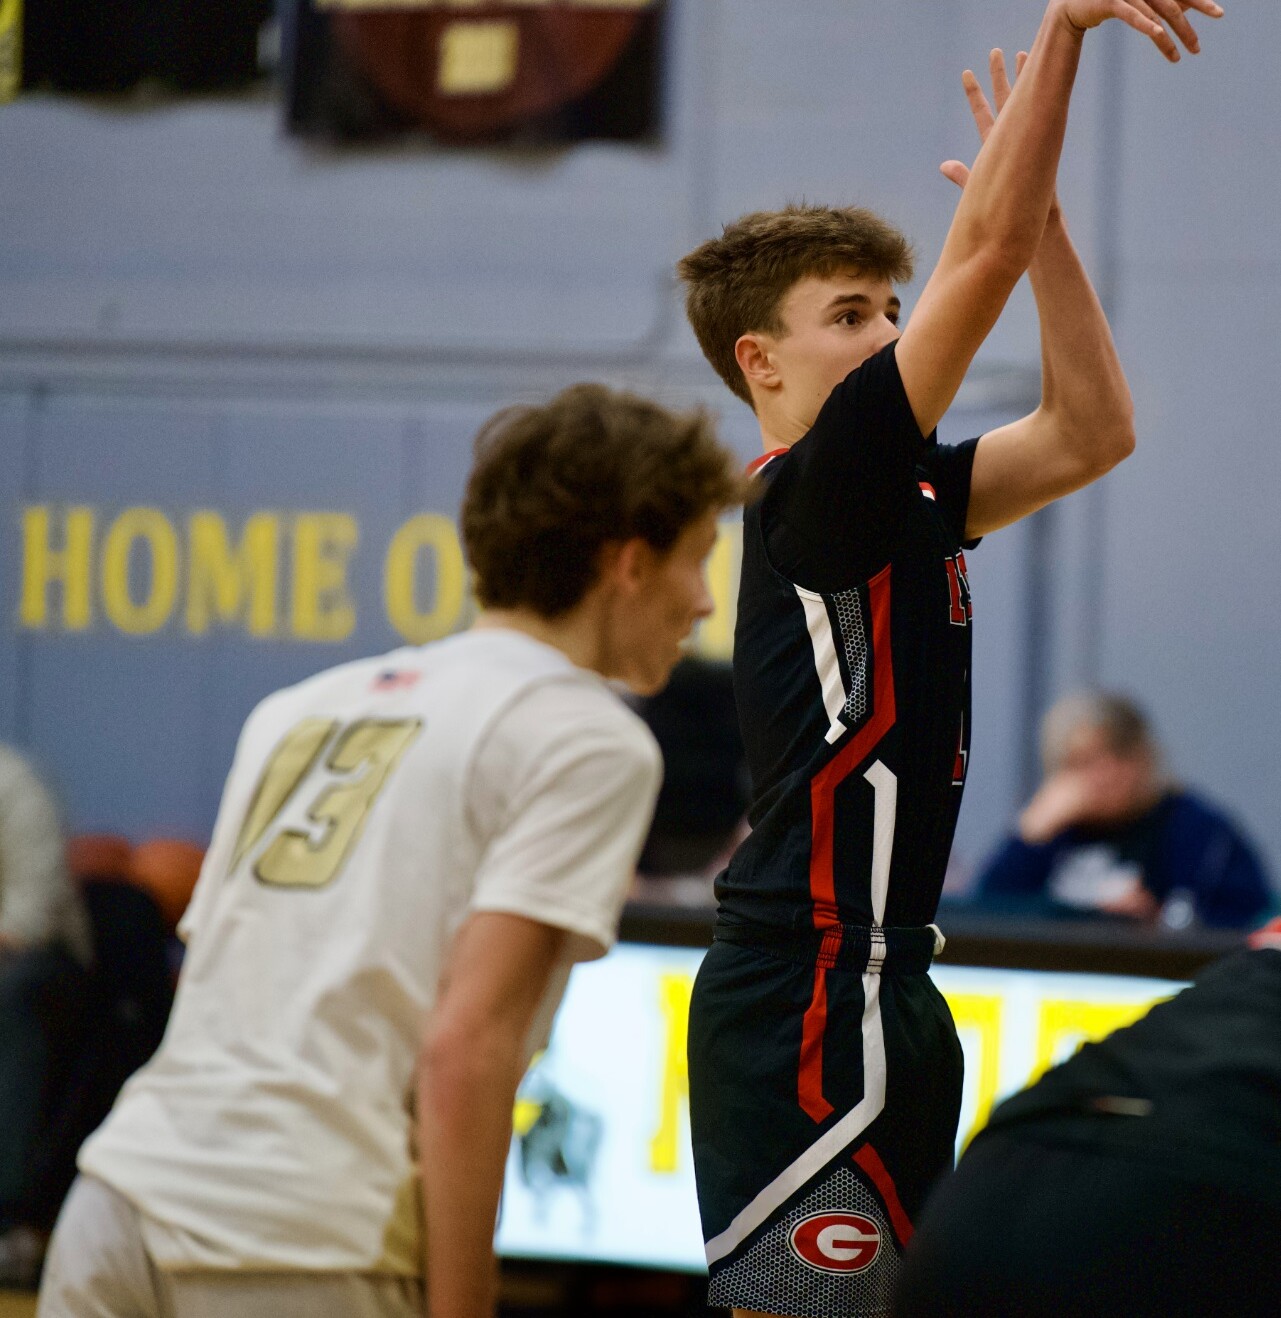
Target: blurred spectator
(1108,832)
(701,812)
(44,949)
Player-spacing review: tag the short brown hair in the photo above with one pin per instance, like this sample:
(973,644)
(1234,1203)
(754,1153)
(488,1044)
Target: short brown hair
(552,485)
(736,283)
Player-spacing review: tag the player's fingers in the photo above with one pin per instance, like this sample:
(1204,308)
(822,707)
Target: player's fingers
(1020,63)
(979,107)
(955,172)
(1172,12)
(1207,7)
(1000,79)
(1140,16)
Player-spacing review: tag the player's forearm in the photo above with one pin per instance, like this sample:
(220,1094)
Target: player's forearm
(1084,391)
(1011,186)
(466,1090)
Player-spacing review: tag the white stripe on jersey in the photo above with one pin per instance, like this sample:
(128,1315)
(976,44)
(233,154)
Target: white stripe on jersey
(826,663)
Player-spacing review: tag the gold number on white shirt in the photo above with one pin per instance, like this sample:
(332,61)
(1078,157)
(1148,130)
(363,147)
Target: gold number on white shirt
(364,754)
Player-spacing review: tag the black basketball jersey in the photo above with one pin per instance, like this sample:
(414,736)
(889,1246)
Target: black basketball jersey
(852,666)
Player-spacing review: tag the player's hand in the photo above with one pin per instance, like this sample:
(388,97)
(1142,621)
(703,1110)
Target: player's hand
(1148,17)
(983,110)
(1065,798)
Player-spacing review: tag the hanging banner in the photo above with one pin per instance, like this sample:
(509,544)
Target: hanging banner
(528,71)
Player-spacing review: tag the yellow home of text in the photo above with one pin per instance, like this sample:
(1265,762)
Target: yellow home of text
(135,570)
(276,575)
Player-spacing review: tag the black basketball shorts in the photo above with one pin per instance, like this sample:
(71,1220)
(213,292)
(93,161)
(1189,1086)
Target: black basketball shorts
(824,1100)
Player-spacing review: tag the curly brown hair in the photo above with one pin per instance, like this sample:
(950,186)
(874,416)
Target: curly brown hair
(736,283)
(552,485)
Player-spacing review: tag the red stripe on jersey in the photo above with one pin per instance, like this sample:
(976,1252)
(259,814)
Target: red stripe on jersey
(757,463)
(870,1161)
(822,870)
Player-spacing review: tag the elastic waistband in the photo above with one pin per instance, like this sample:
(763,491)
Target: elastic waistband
(868,949)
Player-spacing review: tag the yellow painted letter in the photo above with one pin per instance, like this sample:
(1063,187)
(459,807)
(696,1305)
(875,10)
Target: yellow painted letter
(149,526)
(42,564)
(428,531)
(219,579)
(716,635)
(323,545)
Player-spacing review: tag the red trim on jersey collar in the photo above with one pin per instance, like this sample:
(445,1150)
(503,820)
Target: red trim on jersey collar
(754,466)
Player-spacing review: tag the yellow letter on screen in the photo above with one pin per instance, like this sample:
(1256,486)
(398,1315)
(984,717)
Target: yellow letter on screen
(664,1149)
(1066,1024)
(979,1015)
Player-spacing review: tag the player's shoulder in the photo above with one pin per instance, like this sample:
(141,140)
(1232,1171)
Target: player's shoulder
(307,689)
(869,404)
(15,768)
(866,387)
(575,703)
(571,714)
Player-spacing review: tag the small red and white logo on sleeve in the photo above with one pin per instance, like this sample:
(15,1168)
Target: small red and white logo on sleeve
(836,1242)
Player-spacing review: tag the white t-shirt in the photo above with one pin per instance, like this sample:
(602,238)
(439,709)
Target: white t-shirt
(368,812)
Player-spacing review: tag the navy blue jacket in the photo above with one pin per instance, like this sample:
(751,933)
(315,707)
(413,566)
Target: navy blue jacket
(1182,845)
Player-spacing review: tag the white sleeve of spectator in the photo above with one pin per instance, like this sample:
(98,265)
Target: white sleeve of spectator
(582,775)
(35,885)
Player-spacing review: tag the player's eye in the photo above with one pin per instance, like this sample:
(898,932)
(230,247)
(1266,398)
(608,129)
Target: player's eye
(850,318)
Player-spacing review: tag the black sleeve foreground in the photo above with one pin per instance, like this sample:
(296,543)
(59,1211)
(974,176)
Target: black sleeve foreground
(948,467)
(836,502)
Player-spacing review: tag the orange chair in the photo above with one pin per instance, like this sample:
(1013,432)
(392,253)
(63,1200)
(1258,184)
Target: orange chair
(99,856)
(167,868)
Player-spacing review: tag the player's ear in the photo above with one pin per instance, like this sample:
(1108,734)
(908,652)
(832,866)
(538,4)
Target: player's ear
(755,357)
(630,563)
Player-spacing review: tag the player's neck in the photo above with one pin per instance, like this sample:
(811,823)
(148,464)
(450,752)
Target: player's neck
(575,634)
(778,428)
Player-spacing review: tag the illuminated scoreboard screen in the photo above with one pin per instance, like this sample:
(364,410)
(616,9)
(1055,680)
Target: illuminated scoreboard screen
(600,1167)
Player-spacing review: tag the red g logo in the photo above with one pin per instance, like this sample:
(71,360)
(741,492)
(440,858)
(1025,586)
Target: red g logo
(836,1242)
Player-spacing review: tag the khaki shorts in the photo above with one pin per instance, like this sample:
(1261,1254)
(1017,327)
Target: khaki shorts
(98,1267)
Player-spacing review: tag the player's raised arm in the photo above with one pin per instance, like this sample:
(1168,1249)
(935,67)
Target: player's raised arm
(998,225)
(1084,423)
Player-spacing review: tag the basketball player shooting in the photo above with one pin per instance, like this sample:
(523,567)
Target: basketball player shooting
(825,1070)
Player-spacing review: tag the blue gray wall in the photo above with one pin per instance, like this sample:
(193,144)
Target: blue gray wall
(198,317)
